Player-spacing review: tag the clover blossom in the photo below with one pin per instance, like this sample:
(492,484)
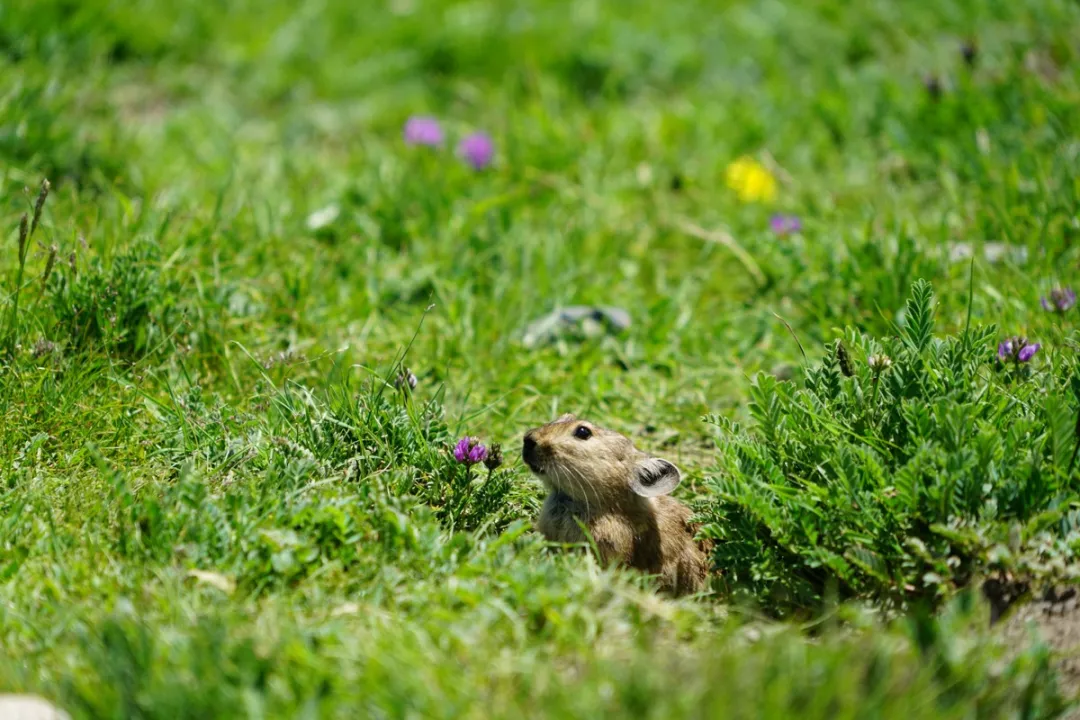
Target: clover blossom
(477,150)
(1017,349)
(1060,300)
(879,363)
(469,451)
(785,224)
(423,130)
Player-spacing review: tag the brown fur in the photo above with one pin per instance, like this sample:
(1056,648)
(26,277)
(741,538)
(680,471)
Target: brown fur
(619,495)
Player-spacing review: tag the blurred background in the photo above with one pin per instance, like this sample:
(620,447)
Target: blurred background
(216,497)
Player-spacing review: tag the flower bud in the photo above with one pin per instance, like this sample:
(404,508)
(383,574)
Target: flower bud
(494,457)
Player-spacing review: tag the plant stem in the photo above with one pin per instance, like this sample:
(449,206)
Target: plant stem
(24,241)
(873,398)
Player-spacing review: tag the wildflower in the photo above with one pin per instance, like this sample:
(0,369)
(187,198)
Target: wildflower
(477,150)
(879,363)
(405,379)
(43,347)
(1017,349)
(785,224)
(469,451)
(494,458)
(1060,300)
(843,359)
(423,130)
(750,180)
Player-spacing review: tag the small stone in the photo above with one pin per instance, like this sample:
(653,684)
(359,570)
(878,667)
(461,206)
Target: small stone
(29,707)
(582,321)
(323,217)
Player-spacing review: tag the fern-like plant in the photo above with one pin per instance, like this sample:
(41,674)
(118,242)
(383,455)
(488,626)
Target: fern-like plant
(920,471)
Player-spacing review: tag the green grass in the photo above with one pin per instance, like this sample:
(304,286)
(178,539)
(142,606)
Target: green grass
(214,502)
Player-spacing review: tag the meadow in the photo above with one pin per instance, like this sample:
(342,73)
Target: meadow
(266,262)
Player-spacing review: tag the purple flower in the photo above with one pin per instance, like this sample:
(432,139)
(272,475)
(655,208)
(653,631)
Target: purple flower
(469,451)
(785,224)
(423,130)
(477,150)
(1017,349)
(1060,300)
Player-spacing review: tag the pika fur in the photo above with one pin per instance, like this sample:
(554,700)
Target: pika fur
(598,480)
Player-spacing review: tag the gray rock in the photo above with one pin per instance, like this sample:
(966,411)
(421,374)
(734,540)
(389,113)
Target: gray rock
(580,321)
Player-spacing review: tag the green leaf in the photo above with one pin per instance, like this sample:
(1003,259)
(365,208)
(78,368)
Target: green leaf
(1060,430)
(919,316)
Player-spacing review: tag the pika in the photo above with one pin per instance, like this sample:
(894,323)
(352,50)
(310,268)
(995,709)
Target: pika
(598,480)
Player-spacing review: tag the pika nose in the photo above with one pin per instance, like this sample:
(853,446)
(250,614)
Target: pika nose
(528,448)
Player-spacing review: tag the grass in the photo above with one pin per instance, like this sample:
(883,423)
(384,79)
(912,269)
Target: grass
(215,502)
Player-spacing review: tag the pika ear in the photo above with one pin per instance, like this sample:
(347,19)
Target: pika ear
(566,417)
(653,476)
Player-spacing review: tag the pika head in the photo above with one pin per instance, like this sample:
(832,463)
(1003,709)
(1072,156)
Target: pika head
(591,464)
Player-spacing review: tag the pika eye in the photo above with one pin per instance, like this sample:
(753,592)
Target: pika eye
(582,432)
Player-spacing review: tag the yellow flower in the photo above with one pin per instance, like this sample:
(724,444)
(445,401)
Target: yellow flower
(750,180)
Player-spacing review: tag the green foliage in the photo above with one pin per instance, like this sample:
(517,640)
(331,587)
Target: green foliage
(359,434)
(350,662)
(919,319)
(902,482)
(40,130)
(381,431)
(125,307)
